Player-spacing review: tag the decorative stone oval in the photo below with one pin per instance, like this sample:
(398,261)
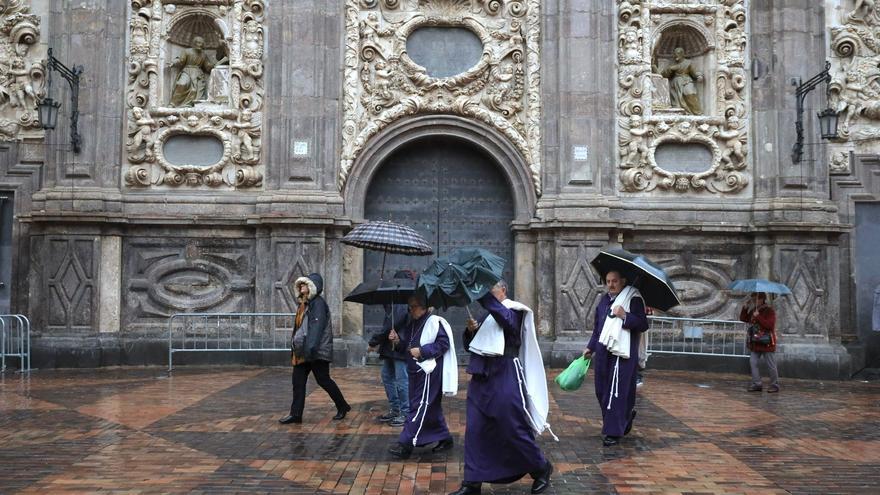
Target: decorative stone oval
(683,157)
(190,285)
(444,51)
(197,150)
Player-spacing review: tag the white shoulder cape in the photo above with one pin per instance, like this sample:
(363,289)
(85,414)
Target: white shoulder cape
(450,362)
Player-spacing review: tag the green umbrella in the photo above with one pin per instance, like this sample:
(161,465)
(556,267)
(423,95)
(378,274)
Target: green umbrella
(461,278)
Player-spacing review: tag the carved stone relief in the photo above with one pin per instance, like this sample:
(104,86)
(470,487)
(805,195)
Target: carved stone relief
(70,282)
(383,85)
(22,72)
(803,313)
(854,91)
(293,259)
(681,80)
(163,277)
(195,69)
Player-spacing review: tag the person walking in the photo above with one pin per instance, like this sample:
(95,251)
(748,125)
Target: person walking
(507,400)
(312,348)
(614,347)
(761,340)
(433,373)
(394,374)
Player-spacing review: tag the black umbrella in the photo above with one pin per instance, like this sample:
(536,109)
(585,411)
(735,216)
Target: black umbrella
(388,237)
(394,291)
(461,278)
(656,287)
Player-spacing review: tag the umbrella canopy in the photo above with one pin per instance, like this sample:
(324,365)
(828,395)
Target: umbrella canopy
(394,291)
(759,285)
(461,278)
(389,237)
(656,287)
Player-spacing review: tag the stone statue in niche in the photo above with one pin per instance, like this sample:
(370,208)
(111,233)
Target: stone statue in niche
(682,77)
(191,82)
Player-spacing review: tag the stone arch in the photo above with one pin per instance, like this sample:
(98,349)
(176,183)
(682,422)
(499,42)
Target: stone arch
(499,149)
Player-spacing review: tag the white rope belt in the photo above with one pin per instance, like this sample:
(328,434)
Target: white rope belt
(520,378)
(423,407)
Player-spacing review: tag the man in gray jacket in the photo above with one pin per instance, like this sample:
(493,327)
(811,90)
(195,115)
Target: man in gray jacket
(312,348)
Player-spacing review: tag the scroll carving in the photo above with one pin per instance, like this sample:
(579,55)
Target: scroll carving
(383,85)
(22,72)
(681,79)
(195,68)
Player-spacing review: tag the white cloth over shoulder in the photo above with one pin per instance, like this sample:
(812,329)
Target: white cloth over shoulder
(489,340)
(450,362)
(532,369)
(614,337)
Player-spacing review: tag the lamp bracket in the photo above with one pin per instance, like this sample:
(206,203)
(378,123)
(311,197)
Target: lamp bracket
(72,78)
(803,88)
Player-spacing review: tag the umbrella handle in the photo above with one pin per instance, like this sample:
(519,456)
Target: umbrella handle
(468,309)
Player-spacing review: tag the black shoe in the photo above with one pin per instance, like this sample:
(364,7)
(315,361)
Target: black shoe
(542,482)
(629,426)
(469,489)
(445,444)
(286,420)
(608,440)
(340,413)
(401,451)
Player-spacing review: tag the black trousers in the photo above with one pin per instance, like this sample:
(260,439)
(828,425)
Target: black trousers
(321,370)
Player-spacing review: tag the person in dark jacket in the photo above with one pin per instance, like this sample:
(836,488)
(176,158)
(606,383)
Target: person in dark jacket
(394,358)
(393,365)
(312,348)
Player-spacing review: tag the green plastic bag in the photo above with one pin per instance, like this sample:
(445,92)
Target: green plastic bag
(573,376)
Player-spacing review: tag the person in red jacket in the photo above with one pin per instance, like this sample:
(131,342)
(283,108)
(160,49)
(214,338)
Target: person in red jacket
(761,339)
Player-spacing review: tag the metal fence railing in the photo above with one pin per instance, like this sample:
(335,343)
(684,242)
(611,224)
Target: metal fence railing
(228,332)
(697,336)
(15,341)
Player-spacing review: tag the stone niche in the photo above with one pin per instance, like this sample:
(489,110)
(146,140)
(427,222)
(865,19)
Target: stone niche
(482,62)
(195,81)
(682,114)
(22,72)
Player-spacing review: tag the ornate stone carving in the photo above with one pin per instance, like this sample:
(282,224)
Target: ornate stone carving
(22,73)
(855,87)
(681,80)
(383,85)
(195,68)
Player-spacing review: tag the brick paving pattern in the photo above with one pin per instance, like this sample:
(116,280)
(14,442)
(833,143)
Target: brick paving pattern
(215,430)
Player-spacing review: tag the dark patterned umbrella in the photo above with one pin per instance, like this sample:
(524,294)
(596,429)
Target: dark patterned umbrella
(389,237)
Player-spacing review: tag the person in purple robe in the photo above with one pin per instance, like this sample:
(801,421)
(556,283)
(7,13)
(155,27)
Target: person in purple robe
(499,441)
(425,423)
(615,375)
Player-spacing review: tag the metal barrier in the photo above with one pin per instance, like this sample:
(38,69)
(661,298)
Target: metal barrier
(229,332)
(15,341)
(697,336)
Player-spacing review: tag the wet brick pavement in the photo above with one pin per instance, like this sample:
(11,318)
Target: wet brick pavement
(214,430)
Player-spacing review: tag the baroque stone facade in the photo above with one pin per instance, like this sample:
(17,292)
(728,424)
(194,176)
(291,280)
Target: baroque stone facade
(682,80)
(195,69)
(228,145)
(502,90)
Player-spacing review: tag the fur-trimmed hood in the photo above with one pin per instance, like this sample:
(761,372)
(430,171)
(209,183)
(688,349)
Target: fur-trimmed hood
(315,283)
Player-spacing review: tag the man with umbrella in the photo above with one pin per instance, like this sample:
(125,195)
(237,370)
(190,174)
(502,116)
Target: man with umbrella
(507,400)
(433,372)
(615,360)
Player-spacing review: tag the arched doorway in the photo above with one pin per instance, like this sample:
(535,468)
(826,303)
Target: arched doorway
(454,194)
